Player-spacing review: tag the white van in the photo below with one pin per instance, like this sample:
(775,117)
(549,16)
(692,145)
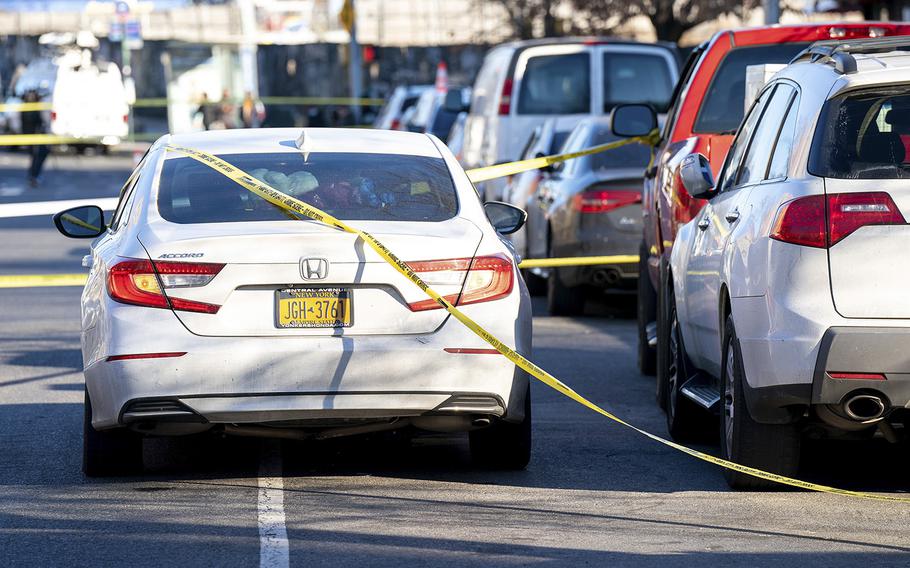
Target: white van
(88,98)
(522,84)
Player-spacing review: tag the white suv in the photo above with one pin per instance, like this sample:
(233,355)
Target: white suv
(788,312)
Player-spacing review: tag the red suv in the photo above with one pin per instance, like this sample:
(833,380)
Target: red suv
(706,109)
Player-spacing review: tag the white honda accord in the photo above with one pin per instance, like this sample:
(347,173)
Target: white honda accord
(209,308)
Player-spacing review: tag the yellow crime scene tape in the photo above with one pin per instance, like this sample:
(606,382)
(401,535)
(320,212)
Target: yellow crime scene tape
(512,168)
(293,205)
(41,280)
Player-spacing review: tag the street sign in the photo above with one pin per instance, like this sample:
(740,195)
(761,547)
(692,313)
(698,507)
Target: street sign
(122,7)
(133,34)
(116,32)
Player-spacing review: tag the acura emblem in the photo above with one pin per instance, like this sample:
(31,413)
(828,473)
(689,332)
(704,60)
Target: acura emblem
(314,268)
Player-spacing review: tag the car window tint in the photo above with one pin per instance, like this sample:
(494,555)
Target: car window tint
(556,84)
(636,78)
(722,108)
(755,163)
(559,138)
(628,156)
(359,186)
(740,143)
(781,158)
(864,135)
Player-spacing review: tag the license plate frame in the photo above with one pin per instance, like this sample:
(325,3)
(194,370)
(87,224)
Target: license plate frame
(341,295)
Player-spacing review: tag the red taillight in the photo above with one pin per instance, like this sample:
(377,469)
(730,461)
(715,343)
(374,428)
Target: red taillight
(848,212)
(488,278)
(126,118)
(857,376)
(802,222)
(603,200)
(140,283)
(53,115)
(132,356)
(395,124)
(505,98)
(820,221)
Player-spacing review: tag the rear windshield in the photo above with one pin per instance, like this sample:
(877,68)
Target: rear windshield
(864,135)
(628,156)
(380,187)
(556,84)
(636,78)
(723,107)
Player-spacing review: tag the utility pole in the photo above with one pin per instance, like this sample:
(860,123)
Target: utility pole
(772,11)
(249,65)
(349,19)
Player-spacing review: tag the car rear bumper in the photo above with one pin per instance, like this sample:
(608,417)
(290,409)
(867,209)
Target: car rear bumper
(863,350)
(265,379)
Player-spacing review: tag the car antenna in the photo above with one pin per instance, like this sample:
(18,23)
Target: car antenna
(302,145)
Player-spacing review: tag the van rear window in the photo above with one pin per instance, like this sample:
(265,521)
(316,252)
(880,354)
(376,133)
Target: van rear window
(636,78)
(864,135)
(350,186)
(556,84)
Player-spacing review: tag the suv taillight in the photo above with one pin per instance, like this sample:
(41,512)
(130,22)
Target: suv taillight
(142,283)
(603,200)
(505,98)
(805,221)
(488,278)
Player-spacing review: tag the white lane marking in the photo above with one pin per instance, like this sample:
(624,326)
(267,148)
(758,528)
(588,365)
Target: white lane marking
(273,534)
(52,207)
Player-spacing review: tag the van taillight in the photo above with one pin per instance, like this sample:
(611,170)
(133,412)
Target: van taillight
(488,278)
(53,115)
(142,283)
(805,221)
(604,200)
(505,98)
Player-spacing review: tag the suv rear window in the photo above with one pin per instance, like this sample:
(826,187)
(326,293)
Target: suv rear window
(556,84)
(380,187)
(636,78)
(724,105)
(864,135)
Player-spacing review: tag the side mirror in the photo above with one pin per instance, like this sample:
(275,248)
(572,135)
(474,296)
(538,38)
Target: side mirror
(627,121)
(454,102)
(85,222)
(506,219)
(696,176)
(549,168)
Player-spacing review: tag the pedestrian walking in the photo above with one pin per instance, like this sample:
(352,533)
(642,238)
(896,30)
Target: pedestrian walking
(228,115)
(33,123)
(207,111)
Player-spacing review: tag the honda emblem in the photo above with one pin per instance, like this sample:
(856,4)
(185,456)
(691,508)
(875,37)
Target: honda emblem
(314,268)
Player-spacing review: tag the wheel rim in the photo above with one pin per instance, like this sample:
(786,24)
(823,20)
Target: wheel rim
(673,371)
(729,407)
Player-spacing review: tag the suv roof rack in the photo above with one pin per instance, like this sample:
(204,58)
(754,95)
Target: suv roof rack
(840,52)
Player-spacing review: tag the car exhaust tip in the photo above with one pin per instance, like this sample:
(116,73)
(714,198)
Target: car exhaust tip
(606,277)
(864,407)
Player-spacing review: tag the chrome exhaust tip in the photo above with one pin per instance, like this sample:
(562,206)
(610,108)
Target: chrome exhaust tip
(864,407)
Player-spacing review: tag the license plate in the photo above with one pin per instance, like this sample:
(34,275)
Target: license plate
(313,307)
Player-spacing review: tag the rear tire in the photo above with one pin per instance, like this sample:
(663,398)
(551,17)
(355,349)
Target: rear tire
(774,448)
(108,452)
(504,445)
(647,313)
(563,300)
(672,372)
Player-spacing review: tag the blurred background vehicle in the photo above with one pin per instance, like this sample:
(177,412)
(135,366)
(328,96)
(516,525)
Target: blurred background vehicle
(521,191)
(455,141)
(401,99)
(588,206)
(706,110)
(521,84)
(432,116)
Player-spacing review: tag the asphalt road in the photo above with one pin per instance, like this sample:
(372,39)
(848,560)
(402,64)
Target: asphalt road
(594,494)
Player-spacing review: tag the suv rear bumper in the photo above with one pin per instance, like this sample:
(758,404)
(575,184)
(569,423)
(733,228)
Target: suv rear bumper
(884,350)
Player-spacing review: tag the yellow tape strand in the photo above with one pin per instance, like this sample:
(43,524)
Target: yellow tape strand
(41,280)
(42,140)
(285,201)
(512,168)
